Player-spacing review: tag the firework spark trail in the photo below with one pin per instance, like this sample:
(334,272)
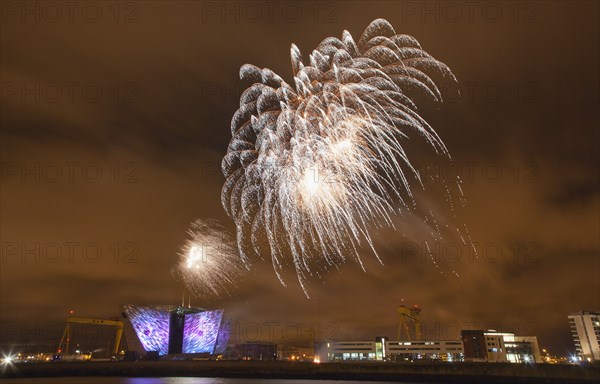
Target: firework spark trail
(313,168)
(209,262)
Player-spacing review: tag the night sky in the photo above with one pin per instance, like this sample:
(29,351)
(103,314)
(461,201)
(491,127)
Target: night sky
(131,104)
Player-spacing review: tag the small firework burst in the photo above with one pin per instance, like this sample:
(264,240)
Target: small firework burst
(209,264)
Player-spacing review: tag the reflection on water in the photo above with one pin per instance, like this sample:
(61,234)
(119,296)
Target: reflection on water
(172,380)
(198,380)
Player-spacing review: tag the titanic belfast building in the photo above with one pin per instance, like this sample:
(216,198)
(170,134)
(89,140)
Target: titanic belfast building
(171,330)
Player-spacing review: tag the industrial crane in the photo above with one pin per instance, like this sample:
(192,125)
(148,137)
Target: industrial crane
(409,316)
(66,338)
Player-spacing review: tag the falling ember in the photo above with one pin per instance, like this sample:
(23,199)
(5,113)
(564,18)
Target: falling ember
(314,167)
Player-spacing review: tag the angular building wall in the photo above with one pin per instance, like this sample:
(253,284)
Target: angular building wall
(195,331)
(585,328)
(201,330)
(151,327)
(223,337)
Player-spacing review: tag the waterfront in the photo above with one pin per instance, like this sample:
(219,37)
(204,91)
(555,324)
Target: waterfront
(174,380)
(184,372)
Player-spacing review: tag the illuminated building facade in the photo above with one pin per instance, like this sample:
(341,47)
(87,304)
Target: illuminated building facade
(434,350)
(585,329)
(474,346)
(178,330)
(347,350)
(501,347)
(383,350)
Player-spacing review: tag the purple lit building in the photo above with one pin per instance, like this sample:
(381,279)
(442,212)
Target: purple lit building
(172,330)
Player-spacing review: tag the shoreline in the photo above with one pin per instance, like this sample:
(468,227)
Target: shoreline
(413,372)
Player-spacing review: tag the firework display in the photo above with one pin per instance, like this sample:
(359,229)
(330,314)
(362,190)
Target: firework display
(209,263)
(315,166)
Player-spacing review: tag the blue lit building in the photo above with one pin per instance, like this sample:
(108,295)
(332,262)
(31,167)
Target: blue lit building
(172,330)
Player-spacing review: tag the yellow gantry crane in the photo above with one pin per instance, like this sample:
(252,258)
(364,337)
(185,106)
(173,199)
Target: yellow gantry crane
(66,338)
(409,316)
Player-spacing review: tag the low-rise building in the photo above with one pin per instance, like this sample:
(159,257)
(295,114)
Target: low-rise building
(382,349)
(474,346)
(501,347)
(252,351)
(346,351)
(433,350)
(294,353)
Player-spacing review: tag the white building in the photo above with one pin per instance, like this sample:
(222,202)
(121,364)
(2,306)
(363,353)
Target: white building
(585,328)
(506,347)
(347,350)
(442,350)
(383,350)
(490,346)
